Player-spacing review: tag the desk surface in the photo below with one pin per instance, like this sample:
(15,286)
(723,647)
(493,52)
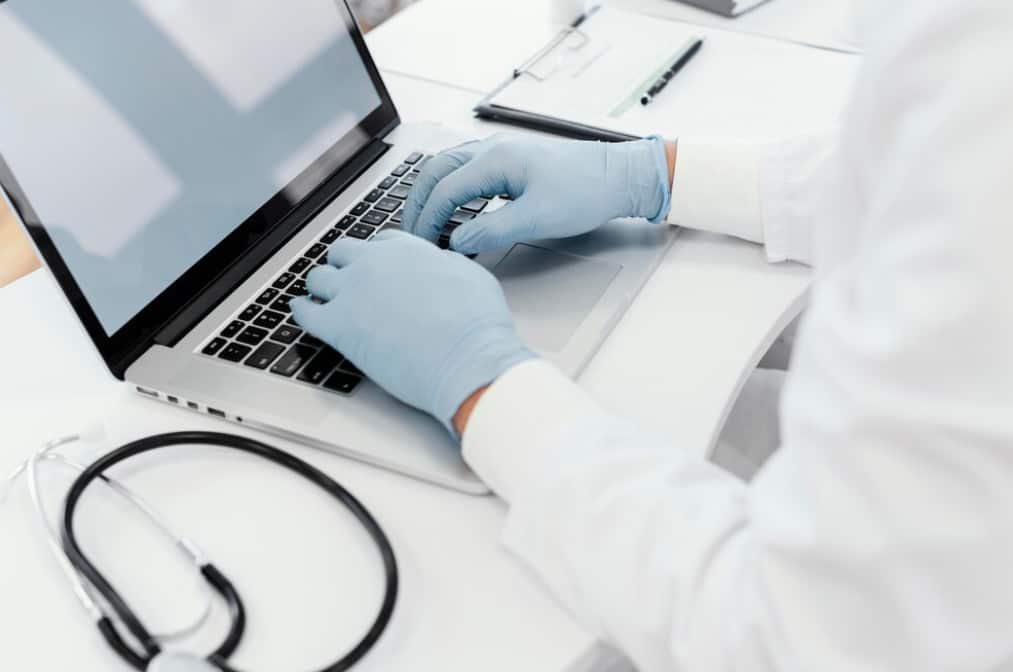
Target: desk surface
(675,362)
(428,40)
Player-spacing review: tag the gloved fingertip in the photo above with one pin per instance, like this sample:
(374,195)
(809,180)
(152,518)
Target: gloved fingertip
(388,234)
(427,231)
(461,242)
(323,282)
(300,304)
(305,313)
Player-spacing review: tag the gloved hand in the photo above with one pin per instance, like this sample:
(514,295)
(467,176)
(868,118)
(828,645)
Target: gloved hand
(429,326)
(560,188)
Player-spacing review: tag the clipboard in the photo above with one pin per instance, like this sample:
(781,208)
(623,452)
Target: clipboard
(576,43)
(588,81)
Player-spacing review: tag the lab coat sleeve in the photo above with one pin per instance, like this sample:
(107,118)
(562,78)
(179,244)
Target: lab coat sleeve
(878,537)
(764,192)
(640,541)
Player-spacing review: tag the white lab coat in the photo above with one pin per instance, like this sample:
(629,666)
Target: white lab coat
(880,536)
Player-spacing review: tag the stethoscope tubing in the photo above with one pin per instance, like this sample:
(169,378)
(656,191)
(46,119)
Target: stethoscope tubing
(218,581)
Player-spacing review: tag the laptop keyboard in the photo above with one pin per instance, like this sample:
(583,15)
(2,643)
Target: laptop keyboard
(264,336)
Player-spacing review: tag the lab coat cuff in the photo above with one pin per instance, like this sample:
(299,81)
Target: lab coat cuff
(785,185)
(716,187)
(504,440)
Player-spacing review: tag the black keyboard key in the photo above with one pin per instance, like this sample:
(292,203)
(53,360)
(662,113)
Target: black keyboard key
(342,382)
(414,158)
(251,312)
(360,231)
(345,222)
(281,305)
(311,341)
(400,170)
(396,217)
(325,361)
(293,360)
(400,191)
(374,196)
(265,355)
(330,236)
(316,250)
(387,205)
(461,217)
(283,280)
(387,183)
(478,205)
(286,334)
(267,296)
(269,319)
(297,288)
(235,352)
(359,209)
(350,368)
(374,217)
(418,168)
(409,179)
(214,346)
(234,328)
(251,336)
(299,266)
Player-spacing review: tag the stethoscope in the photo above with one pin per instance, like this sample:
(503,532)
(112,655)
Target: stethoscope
(107,608)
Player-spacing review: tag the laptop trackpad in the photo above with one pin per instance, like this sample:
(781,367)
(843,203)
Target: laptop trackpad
(550,293)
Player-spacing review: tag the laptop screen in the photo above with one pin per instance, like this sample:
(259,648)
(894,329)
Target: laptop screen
(144,132)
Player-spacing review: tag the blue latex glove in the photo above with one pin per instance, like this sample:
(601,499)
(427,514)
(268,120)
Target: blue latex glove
(429,326)
(560,188)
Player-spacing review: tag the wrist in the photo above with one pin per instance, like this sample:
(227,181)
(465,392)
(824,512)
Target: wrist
(463,414)
(482,356)
(672,155)
(656,183)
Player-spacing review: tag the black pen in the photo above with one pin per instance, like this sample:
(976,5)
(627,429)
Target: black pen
(684,58)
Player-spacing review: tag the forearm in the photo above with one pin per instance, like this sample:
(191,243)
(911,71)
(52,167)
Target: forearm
(637,538)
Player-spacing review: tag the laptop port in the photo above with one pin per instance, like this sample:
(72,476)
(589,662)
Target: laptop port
(150,393)
(172,400)
(193,406)
(215,411)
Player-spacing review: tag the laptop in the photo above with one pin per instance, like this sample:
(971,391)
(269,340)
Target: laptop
(181,166)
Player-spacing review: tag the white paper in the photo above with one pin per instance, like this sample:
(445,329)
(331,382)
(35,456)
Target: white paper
(736,86)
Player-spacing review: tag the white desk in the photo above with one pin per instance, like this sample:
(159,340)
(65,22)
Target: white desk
(675,362)
(475,44)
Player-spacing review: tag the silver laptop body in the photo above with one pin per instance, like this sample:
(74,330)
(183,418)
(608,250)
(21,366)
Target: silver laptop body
(566,295)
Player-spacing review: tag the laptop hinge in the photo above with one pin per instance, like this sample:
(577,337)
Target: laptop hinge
(177,327)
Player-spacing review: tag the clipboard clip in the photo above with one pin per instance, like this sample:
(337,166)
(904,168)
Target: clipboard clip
(564,35)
